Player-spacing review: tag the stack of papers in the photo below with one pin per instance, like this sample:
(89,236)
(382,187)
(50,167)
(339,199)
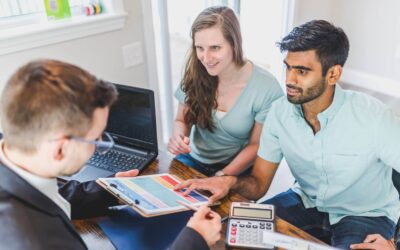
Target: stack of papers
(291,243)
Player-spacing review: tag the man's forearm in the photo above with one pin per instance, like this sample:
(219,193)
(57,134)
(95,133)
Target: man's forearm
(249,187)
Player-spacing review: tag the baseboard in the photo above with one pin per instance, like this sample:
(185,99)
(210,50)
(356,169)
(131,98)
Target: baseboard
(371,82)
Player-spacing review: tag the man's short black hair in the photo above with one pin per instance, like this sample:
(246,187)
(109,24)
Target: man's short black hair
(329,42)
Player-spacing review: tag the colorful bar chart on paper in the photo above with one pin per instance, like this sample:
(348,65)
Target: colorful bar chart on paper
(153,193)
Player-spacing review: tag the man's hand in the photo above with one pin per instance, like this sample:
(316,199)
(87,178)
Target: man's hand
(207,223)
(375,242)
(129,173)
(218,186)
(179,144)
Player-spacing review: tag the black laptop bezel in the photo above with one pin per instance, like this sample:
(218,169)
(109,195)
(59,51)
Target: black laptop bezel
(150,148)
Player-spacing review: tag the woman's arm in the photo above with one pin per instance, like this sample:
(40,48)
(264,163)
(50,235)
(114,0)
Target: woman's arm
(247,156)
(179,141)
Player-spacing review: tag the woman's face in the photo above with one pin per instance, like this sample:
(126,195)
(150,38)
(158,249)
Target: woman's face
(213,50)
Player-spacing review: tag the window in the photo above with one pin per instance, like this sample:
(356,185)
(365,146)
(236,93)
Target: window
(14,9)
(10,8)
(20,12)
(24,23)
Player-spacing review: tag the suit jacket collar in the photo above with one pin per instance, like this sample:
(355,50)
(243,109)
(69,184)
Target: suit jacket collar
(18,187)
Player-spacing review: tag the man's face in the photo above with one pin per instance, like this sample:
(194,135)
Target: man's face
(81,151)
(304,80)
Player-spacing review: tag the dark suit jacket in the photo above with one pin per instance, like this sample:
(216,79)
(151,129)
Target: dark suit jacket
(30,220)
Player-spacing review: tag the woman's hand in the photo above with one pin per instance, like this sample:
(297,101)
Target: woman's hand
(179,144)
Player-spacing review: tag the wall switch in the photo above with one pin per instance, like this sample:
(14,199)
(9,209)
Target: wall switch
(132,54)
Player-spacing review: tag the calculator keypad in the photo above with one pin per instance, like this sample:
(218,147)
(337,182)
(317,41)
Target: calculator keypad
(248,233)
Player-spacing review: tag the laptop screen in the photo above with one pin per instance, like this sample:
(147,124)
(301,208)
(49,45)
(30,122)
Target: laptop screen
(132,120)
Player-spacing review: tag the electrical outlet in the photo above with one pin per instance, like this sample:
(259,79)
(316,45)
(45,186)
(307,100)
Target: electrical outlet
(132,54)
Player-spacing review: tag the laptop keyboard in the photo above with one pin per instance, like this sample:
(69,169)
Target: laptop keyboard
(117,161)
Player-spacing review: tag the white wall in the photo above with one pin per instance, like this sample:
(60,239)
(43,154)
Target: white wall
(307,10)
(373,28)
(100,54)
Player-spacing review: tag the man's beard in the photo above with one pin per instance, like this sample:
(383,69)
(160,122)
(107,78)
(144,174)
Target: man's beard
(309,94)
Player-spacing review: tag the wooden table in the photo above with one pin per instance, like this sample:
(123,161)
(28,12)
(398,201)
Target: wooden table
(96,239)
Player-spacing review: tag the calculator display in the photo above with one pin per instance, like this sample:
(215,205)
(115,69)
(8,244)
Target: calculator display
(252,212)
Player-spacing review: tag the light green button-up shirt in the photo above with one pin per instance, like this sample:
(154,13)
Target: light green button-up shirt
(346,168)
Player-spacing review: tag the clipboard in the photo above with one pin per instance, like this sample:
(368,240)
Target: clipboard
(152,195)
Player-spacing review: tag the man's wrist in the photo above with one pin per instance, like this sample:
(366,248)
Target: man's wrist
(219,173)
(231,181)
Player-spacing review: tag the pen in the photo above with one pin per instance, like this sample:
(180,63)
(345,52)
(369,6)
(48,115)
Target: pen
(119,207)
(187,205)
(191,207)
(136,201)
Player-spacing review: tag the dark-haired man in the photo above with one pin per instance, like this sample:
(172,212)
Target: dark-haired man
(53,116)
(340,146)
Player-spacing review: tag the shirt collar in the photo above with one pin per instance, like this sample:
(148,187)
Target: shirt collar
(338,99)
(337,103)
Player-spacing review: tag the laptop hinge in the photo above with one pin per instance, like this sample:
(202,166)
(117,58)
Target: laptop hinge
(128,149)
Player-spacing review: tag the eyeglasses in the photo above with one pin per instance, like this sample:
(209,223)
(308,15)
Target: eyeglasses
(103,144)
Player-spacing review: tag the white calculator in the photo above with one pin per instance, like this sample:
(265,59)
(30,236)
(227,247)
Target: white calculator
(246,224)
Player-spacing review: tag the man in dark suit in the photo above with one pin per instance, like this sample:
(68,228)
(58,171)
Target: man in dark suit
(53,115)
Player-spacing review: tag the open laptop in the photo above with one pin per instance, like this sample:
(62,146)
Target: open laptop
(132,125)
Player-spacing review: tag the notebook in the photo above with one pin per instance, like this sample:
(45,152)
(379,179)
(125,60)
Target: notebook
(132,125)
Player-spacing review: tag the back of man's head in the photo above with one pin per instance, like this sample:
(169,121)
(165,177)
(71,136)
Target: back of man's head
(329,42)
(50,96)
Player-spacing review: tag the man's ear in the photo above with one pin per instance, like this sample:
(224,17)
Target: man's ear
(59,148)
(333,75)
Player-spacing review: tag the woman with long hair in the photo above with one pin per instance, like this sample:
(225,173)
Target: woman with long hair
(223,99)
